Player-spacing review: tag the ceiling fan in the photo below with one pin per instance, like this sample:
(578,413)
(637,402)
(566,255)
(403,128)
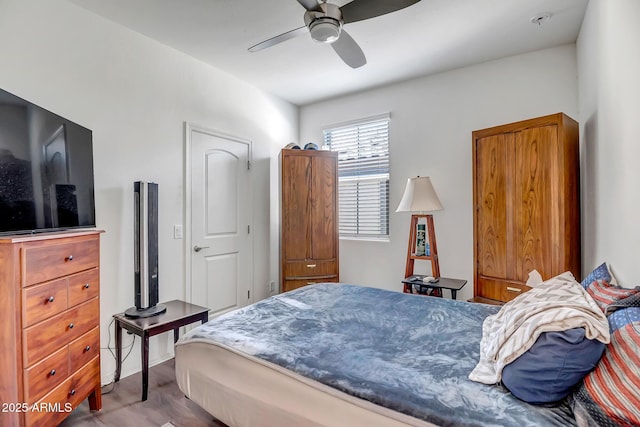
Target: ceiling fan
(325,21)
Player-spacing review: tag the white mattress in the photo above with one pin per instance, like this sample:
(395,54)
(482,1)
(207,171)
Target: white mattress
(241,391)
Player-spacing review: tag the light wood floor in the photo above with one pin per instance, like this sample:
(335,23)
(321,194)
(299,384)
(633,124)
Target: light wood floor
(122,407)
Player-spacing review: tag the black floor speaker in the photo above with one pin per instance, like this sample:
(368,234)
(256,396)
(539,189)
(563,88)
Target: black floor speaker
(145,198)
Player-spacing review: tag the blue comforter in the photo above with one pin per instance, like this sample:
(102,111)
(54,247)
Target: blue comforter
(410,353)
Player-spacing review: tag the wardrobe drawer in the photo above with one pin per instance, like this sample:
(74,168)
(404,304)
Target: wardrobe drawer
(499,289)
(66,396)
(84,286)
(57,399)
(48,262)
(46,374)
(84,349)
(310,268)
(43,301)
(46,337)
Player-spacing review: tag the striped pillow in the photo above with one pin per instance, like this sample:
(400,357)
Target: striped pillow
(607,295)
(601,272)
(622,317)
(610,394)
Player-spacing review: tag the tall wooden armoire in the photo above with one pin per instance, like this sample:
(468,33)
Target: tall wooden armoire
(309,217)
(526,200)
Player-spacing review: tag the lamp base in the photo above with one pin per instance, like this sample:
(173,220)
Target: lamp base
(413,251)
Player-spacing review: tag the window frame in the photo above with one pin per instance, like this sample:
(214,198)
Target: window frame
(375,179)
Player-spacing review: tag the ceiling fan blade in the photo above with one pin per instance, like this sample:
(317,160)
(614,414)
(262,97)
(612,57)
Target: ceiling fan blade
(278,39)
(347,49)
(359,10)
(310,5)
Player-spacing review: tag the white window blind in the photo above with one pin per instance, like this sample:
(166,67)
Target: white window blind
(363,176)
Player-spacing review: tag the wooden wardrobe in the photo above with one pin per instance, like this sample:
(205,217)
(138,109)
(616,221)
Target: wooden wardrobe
(309,217)
(526,199)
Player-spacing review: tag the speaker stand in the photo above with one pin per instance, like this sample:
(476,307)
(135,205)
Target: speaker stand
(134,313)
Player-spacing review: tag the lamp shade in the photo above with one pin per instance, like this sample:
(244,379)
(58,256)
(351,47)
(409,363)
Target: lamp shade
(419,196)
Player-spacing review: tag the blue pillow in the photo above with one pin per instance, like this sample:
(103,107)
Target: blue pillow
(621,317)
(601,272)
(555,363)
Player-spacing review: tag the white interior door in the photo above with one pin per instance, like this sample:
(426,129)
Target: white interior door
(219,236)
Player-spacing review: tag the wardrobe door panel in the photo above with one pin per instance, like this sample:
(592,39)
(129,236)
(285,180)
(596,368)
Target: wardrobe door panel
(536,202)
(296,196)
(323,208)
(493,218)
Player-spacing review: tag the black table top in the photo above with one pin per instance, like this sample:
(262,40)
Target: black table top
(176,310)
(442,283)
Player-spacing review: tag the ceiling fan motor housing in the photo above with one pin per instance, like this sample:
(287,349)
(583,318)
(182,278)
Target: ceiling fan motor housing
(324,25)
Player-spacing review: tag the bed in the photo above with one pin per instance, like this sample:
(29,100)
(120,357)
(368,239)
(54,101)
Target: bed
(346,355)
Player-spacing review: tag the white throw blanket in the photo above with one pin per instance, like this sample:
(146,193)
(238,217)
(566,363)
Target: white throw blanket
(557,304)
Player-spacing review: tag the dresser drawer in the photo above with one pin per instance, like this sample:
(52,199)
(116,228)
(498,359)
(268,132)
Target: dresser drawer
(499,289)
(45,337)
(84,286)
(290,285)
(66,396)
(43,301)
(84,349)
(310,268)
(45,375)
(46,262)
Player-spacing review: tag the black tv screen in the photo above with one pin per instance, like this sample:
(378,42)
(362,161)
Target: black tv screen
(46,170)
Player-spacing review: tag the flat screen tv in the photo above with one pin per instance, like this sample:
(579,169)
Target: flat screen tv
(46,170)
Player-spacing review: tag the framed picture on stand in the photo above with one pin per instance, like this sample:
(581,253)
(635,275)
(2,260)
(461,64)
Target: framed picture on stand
(420,239)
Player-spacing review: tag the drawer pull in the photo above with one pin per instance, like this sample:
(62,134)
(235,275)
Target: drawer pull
(72,392)
(510,289)
(51,299)
(311,283)
(311,266)
(52,373)
(69,258)
(87,348)
(87,286)
(71,325)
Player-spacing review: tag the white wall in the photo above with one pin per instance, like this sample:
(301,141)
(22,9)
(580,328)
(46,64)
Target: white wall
(609,103)
(135,94)
(431,123)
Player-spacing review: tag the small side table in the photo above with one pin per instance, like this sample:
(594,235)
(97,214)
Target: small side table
(178,314)
(416,283)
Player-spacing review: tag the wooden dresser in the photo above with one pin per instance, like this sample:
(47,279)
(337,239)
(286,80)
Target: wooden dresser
(50,333)
(526,195)
(309,217)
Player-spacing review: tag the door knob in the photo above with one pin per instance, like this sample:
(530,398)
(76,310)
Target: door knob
(197,248)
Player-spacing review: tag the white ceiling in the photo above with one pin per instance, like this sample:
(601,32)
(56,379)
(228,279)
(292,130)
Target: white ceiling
(429,37)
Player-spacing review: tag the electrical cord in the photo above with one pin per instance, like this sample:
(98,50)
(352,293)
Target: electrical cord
(111,350)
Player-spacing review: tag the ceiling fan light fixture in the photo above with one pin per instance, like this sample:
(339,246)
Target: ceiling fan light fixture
(325,29)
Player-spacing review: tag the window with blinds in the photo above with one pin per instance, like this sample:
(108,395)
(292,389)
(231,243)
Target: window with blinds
(363,176)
